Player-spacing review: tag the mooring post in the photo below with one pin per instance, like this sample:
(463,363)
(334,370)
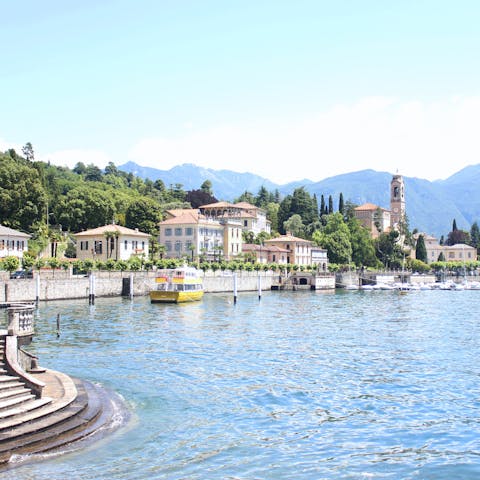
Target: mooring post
(131,286)
(259,286)
(58,325)
(91,294)
(37,289)
(234,288)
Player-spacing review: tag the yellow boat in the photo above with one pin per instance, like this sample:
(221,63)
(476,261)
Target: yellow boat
(182,284)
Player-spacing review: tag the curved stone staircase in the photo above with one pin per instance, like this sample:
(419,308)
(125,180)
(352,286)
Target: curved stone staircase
(64,411)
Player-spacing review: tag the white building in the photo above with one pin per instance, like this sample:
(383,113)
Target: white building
(451,253)
(111,241)
(12,242)
(252,218)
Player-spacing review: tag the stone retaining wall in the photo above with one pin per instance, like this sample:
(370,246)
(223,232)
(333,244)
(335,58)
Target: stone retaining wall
(61,286)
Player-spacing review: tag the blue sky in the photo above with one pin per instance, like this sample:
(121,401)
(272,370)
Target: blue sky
(286,90)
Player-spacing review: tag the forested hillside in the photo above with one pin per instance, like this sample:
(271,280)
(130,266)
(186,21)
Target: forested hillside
(36,195)
(47,201)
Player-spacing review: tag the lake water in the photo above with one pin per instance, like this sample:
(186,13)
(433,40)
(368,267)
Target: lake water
(299,385)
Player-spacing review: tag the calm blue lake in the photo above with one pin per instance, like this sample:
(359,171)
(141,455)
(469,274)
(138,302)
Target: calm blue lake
(299,385)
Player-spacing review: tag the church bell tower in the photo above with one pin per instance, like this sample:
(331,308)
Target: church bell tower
(397,200)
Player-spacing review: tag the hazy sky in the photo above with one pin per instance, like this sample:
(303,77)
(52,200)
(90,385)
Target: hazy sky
(284,89)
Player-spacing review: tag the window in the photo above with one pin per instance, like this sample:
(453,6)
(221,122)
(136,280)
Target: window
(126,245)
(143,245)
(2,244)
(245,223)
(188,244)
(97,247)
(189,231)
(178,246)
(168,232)
(178,232)
(168,246)
(84,245)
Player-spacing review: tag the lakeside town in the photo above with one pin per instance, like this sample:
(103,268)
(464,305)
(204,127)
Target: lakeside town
(64,218)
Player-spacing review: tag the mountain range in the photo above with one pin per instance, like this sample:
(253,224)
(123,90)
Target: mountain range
(431,206)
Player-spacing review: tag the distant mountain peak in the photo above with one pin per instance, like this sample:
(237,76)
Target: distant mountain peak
(431,206)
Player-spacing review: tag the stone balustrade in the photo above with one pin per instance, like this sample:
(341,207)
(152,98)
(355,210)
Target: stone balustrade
(21,320)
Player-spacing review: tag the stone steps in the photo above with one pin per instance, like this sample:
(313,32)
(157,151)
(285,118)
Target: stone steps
(56,429)
(68,410)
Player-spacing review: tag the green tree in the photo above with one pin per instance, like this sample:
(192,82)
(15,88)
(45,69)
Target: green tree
(294,225)
(323,210)
(335,238)
(363,248)
(93,173)
(10,264)
(28,153)
(23,198)
(263,197)
(475,235)
(341,205)
(111,169)
(85,207)
(247,197)
(80,168)
(388,249)
(272,215)
(284,212)
(144,214)
(421,250)
(206,187)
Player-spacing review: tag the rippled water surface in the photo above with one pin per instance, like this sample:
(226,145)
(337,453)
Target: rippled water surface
(299,385)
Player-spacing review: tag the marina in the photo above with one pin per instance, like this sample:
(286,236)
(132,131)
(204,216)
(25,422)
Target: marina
(302,384)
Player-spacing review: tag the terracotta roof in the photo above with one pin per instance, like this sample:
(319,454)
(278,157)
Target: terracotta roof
(369,206)
(459,245)
(218,205)
(112,228)
(182,217)
(263,248)
(287,238)
(175,212)
(12,232)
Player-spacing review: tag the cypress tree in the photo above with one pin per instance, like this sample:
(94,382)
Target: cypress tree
(421,250)
(475,235)
(330,204)
(322,206)
(340,203)
(315,205)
